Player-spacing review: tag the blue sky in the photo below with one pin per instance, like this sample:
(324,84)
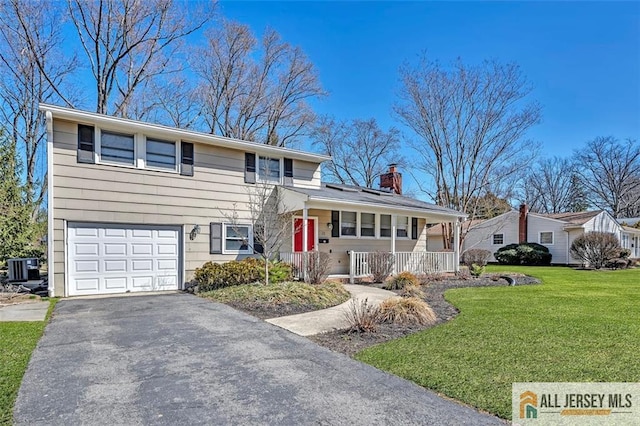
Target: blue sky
(582,58)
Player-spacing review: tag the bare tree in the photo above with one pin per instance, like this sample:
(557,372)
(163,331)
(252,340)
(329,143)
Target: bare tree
(252,91)
(359,149)
(129,43)
(552,187)
(32,70)
(470,124)
(609,170)
(270,220)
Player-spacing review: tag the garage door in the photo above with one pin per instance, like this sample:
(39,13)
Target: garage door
(106,259)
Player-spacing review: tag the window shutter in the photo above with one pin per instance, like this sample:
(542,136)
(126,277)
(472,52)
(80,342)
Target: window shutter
(288,171)
(257,247)
(186,159)
(216,238)
(335,223)
(414,228)
(86,144)
(249,167)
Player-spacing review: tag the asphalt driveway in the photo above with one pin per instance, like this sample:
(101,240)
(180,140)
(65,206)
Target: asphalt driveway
(179,359)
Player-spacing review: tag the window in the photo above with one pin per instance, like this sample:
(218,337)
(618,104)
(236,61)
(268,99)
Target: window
(236,239)
(402,226)
(161,154)
(546,238)
(269,169)
(348,224)
(367,225)
(117,148)
(498,239)
(385,225)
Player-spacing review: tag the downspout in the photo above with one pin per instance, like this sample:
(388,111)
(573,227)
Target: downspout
(456,245)
(50,234)
(568,251)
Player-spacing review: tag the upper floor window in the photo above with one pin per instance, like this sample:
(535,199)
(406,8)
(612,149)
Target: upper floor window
(402,226)
(498,239)
(348,223)
(161,154)
(117,148)
(546,238)
(269,169)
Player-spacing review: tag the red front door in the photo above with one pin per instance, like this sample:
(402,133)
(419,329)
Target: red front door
(297,234)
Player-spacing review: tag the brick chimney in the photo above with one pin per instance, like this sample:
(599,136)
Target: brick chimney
(392,180)
(522,224)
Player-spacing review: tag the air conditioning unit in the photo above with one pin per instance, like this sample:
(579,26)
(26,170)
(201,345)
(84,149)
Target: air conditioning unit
(25,269)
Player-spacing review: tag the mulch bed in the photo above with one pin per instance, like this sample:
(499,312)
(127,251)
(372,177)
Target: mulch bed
(264,311)
(351,343)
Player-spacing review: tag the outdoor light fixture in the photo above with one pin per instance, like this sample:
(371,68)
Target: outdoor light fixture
(330,226)
(194,232)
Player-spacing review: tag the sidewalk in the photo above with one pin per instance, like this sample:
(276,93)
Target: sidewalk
(317,322)
(35,311)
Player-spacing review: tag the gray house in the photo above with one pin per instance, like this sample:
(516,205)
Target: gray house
(135,206)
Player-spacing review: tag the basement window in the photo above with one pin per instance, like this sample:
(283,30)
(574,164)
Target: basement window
(498,239)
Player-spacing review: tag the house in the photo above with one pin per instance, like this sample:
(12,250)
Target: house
(631,235)
(135,206)
(554,231)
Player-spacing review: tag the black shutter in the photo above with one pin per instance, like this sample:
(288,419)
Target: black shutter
(216,238)
(288,171)
(414,228)
(335,223)
(249,167)
(257,246)
(186,159)
(86,144)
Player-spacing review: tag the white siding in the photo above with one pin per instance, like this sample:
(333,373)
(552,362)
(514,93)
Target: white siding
(558,249)
(481,235)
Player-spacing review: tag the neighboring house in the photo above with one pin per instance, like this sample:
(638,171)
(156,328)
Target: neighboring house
(554,231)
(631,235)
(135,206)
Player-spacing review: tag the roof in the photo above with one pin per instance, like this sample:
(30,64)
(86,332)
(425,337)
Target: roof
(436,231)
(355,195)
(575,218)
(190,135)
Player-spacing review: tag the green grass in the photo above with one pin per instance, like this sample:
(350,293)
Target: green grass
(17,341)
(578,326)
(289,293)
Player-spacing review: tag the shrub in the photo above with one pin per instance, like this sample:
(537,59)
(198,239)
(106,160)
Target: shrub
(318,267)
(362,317)
(380,265)
(463,273)
(401,280)
(476,270)
(523,254)
(211,275)
(478,257)
(624,253)
(411,290)
(406,310)
(596,249)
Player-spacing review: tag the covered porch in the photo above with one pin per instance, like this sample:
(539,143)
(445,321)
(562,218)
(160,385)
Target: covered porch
(354,225)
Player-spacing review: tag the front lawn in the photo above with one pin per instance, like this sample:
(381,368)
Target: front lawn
(17,341)
(577,326)
(273,300)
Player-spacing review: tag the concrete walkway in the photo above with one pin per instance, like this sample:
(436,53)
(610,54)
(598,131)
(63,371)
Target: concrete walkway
(330,319)
(33,311)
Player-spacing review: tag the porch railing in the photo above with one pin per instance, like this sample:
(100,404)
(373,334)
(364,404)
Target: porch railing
(414,262)
(297,259)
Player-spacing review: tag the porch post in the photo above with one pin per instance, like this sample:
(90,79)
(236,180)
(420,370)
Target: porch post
(393,242)
(456,245)
(305,239)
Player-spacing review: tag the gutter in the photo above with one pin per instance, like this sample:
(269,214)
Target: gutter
(50,234)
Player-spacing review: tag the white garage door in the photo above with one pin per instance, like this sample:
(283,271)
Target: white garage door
(106,259)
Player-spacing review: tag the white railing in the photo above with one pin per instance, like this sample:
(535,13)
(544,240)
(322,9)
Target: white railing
(414,262)
(297,259)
